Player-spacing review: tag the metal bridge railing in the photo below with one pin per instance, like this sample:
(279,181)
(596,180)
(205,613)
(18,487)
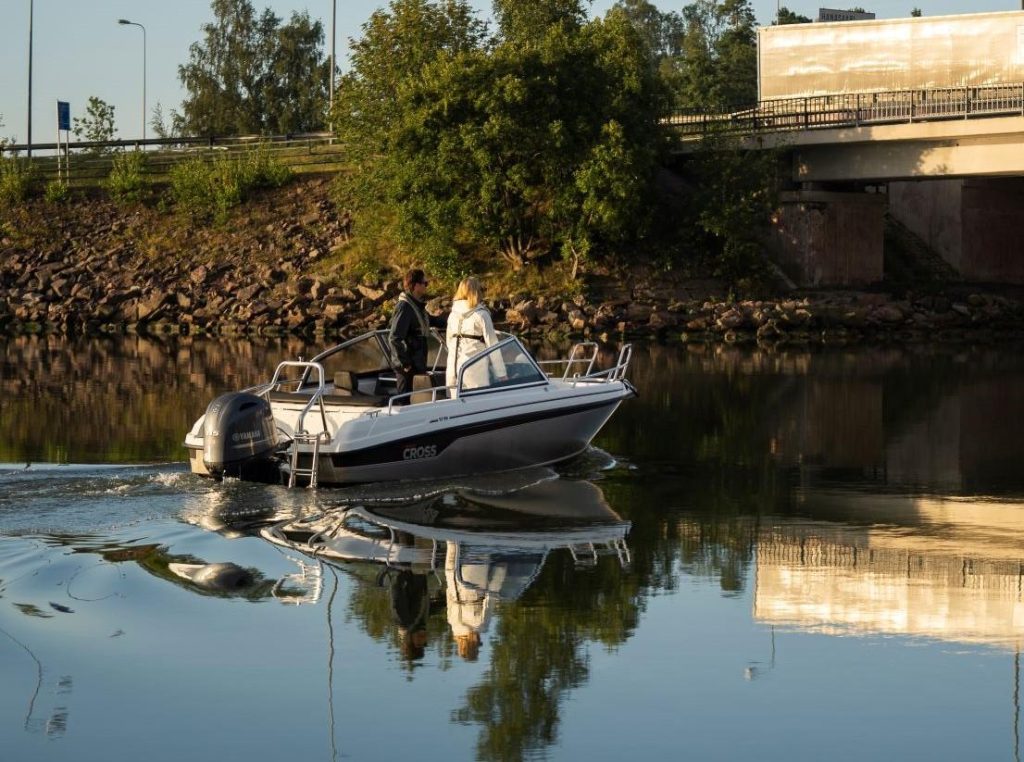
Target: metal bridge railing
(855,110)
(90,162)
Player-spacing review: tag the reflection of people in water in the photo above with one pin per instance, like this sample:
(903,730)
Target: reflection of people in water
(468,609)
(473,585)
(410,604)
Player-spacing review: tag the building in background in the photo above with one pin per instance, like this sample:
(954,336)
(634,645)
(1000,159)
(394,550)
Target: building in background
(834,14)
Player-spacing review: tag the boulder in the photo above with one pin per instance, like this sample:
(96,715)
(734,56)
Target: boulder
(374,295)
(889,313)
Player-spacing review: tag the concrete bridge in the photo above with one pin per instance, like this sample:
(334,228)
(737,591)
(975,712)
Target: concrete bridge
(947,163)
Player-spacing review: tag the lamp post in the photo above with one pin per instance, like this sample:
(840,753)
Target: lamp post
(126,22)
(334,14)
(30,8)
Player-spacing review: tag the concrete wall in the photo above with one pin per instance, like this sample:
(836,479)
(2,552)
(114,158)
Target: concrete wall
(976,225)
(931,210)
(993,232)
(830,239)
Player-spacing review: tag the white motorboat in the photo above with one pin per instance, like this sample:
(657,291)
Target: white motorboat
(335,419)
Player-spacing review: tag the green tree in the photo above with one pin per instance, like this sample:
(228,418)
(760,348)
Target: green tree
(159,123)
(662,34)
(97,126)
(529,21)
(388,65)
(734,202)
(5,141)
(252,75)
(718,66)
(915,13)
(522,148)
(298,77)
(736,54)
(786,16)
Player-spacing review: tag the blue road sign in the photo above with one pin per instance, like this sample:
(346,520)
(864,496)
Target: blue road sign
(63,115)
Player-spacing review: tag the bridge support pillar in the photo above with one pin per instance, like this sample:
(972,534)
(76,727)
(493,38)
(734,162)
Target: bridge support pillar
(974,224)
(824,238)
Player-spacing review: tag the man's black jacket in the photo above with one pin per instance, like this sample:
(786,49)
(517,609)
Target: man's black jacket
(407,334)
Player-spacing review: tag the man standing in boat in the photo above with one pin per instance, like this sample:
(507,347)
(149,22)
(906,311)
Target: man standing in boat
(408,332)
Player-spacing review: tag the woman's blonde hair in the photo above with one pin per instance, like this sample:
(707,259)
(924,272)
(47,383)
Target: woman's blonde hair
(470,290)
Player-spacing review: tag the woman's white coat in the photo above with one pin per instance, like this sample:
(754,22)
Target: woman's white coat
(468,322)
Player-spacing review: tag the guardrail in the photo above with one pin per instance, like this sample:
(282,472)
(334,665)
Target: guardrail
(854,110)
(91,161)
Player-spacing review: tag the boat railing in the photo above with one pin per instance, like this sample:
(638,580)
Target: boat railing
(615,373)
(572,360)
(317,397)
(435,392)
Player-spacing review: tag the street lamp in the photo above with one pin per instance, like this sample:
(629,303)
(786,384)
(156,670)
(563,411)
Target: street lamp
(126,22)
(334,15)
(30,10)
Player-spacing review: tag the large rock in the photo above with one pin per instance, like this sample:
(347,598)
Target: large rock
(889,313)
(150,308)
(374,295)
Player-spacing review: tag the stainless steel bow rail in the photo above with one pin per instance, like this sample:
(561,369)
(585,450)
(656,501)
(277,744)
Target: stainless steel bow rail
(580,348)
(854,110)
(588,354)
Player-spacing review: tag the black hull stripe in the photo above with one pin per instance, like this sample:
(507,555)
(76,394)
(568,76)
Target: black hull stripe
(391,452)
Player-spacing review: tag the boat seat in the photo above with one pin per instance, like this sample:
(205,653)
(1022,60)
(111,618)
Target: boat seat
(422,383)
(345,383)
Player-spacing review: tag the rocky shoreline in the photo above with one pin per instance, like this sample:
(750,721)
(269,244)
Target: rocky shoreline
(73,299)
(97,269)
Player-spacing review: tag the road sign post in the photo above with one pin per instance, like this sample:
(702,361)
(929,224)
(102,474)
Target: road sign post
(64,125)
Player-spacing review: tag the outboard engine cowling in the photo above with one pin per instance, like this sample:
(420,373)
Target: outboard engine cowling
(238,431)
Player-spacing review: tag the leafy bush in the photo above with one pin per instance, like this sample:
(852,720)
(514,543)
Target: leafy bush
(17,180)
(56,192)
(127,180)
(262,170)
(209,188)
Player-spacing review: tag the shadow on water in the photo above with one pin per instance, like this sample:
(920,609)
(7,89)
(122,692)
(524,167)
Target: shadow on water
(863,494)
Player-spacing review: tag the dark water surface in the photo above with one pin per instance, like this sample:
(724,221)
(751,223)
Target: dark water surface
(823,558)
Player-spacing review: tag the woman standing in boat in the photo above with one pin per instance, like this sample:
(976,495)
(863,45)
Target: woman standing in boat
(470,329)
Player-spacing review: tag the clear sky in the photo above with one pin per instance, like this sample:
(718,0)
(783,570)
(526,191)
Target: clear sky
(80,50)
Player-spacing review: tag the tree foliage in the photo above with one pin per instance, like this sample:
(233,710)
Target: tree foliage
(537,141)
(527,22)
(253,74)
(718,66)
(97,126)
(735,198)
(786,16)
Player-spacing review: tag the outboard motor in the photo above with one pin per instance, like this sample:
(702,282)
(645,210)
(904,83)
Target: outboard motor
(238,432)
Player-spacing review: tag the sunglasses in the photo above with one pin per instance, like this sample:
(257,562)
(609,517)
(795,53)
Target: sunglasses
(422,283)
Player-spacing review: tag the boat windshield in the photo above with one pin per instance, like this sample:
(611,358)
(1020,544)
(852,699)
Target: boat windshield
(363,354)
(368,354)
(504,364)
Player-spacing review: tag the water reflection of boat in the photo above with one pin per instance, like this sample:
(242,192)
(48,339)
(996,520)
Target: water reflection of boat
(487,548)
(340,421)
(949,569)
(553,514)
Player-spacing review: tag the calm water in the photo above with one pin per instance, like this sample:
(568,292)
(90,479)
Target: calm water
(823,558)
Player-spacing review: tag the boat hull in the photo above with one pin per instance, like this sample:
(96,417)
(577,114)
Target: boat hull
(534,439)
